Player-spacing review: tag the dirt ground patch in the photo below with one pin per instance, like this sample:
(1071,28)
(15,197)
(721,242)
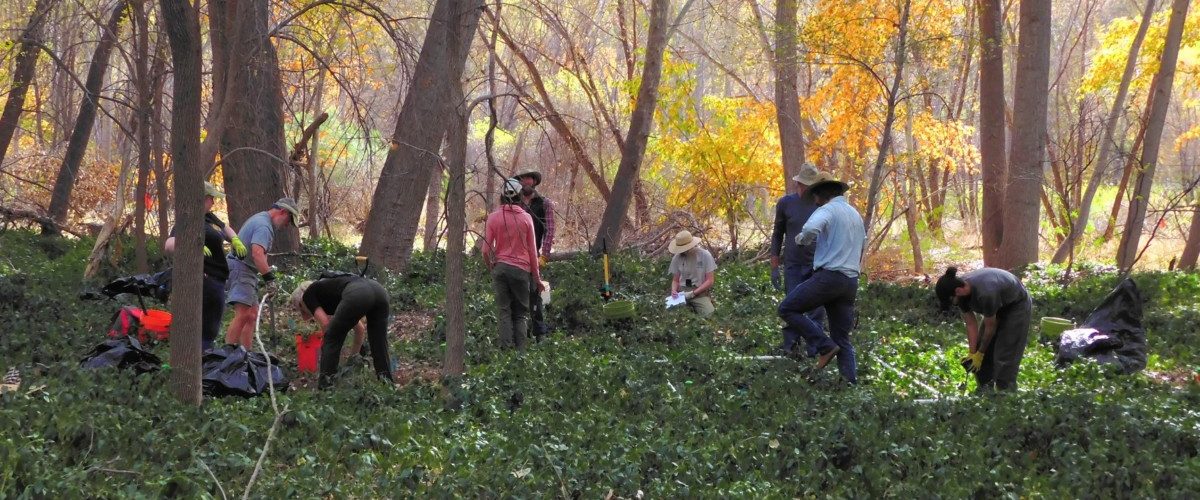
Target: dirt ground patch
(409,372)
(1180,377)
(410,326)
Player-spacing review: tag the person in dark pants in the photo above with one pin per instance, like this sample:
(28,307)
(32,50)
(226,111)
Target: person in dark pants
(216,270)
(837,230)
(511,255)
(994,355)
(541,209)
(351,298)
(791,212)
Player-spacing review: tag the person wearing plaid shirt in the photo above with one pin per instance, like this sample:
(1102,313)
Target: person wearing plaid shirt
(542,211)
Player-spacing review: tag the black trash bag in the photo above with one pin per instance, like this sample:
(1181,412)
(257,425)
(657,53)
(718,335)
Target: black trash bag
(232,371)
(1119,338)
(156,285)
(124,352)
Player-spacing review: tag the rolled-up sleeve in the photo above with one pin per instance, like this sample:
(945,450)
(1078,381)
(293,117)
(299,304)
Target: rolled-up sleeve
(813,227)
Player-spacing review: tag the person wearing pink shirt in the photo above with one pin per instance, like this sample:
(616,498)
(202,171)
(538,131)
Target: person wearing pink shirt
(511,253)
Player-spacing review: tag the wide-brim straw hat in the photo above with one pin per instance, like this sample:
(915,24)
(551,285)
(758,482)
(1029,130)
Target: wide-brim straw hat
(289,205)
(808,174)
(683,242)
(532,174)
(211,189)
(297,298)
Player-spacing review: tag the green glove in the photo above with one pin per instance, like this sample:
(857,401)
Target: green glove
(972,362)
(207,252)
(239,248)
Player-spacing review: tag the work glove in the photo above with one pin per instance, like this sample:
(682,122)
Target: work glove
(972,362)
(239,248)
(689,295)
(541,260)
(776,280)
(207,252)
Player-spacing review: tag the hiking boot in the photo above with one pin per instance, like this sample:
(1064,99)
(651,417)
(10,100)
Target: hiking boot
(826,356)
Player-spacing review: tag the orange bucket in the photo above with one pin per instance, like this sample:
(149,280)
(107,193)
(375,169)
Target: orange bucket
(308,351)
(158,322)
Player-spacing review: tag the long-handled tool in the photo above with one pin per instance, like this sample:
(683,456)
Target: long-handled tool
(606,291)
(613,309)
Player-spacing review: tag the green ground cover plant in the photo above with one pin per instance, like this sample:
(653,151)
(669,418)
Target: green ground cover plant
(664,404)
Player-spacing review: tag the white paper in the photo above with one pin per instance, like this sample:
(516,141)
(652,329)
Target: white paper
(675,300)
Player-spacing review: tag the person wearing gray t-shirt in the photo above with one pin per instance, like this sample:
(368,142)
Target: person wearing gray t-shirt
(693,271)
(995,353)
(241,288)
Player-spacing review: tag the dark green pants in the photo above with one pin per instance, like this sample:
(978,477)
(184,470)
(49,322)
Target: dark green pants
(511,285)
(1002,358)
(362,298)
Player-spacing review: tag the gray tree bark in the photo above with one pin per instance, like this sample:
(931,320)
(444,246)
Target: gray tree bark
(992,104)
(183,29)
(144,86)
(396,204)
(22,74)
(253,152)
(1191,249)
(1106,141)
(68,173)
(1023,186)
(1159,102)
(640,123)
(453,365)
(787,96)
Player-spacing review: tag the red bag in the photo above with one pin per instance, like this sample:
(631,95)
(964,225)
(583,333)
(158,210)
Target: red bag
(147,325)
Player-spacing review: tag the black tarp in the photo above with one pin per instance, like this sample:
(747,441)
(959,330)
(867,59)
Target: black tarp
(124,352)
(232,371)
(1119,338)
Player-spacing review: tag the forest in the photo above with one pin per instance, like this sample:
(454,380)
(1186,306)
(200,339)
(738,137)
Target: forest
(1058,140)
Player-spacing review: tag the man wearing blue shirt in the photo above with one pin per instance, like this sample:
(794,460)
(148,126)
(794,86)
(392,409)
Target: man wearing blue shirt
(791,212)
(836,229)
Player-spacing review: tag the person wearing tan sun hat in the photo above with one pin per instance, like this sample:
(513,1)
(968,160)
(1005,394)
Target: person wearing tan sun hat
(791,264)
(836,230)
(216,269)
(693,272)
(246,269)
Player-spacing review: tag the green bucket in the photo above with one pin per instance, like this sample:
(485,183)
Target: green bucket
(618,309)
(1053,327)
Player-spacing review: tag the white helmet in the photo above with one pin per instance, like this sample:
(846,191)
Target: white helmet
(512,187)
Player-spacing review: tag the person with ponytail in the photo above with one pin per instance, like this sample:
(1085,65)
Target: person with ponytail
(994,354)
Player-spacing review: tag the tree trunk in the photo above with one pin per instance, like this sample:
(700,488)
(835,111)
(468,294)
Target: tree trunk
(396,204)
(640,122)
(914,180)
(314,165)
(1127,172)
(1159,102)
(992,104)
(1023,186)
(787,96)
(144,113)
(433,204)
(456,225)
(183,29)
(1106,141)
(1191,249)
(22,75)
(253,152)
(885,142)
(68,173)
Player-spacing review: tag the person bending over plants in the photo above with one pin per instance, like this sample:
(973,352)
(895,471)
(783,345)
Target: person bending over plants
(351,299)
(994,355)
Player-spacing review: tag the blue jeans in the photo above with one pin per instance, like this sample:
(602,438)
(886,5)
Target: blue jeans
(836,292)
(793,276)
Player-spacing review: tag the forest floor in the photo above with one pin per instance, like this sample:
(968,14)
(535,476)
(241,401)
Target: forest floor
(664,405)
